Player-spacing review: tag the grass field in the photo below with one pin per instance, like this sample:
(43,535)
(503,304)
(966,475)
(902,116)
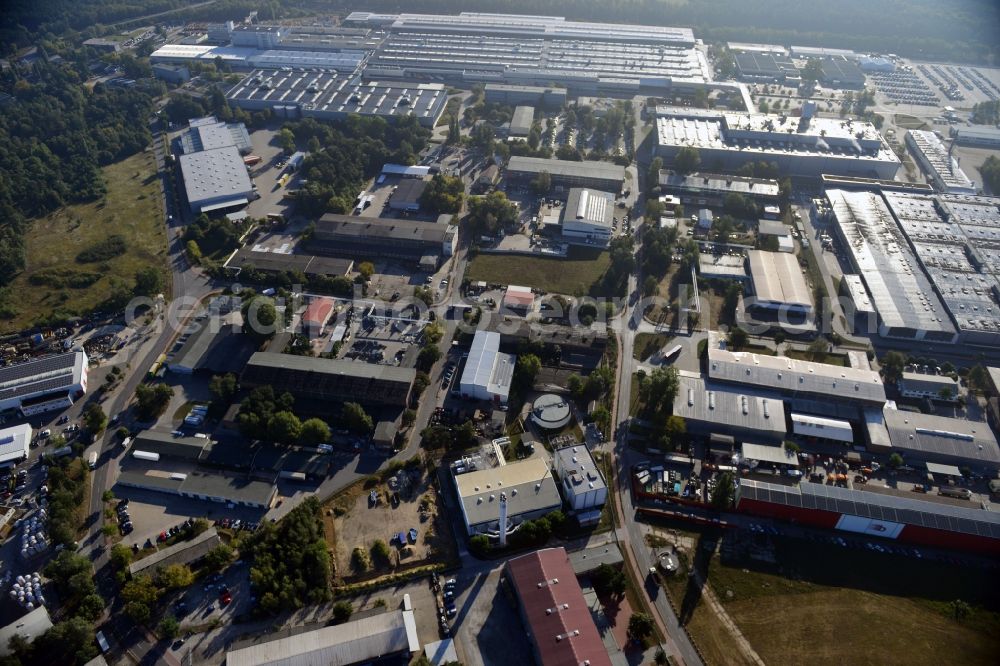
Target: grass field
(646,344)
(577,275)
(831,605)
(832,359)
(132,209)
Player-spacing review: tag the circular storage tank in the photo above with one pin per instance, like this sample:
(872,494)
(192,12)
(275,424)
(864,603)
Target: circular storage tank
(551,411)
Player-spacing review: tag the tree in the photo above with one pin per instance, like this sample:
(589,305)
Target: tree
(979,378)
(356,418)
(659,388)
(121,556)
(148,281)
(892,366)
(895,461)
(960,609)
(527,369)
(687,160)
(650,285)
(260,317)
(381,553)
(813,70)
(175,576)
(738,338)
(152,400)
(68,642)
(723,493)
(723,229)
(489,213)
(428,356)
(314,431)
(94,418)
(433,332)
(223,388)
(218,558)
(602,418)
(653,175)
(640,626)
(342,611)
(660,658)
(284,427)
(443,194)
(542,184)
(609,581)
(366,269)
(675,429)
(169,627)
(479,544)
(409,418)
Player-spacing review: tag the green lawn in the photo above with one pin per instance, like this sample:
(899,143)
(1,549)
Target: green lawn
(646,344)
(579,274)
(831,359)
(132,209)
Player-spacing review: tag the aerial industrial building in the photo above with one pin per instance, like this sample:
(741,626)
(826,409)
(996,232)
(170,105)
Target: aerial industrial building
(711,189)
(878,251)
(583,488)
(841,72)
(248,57)
(565,174)
(931,438)
(326,94)
(805,146)
(527,486)
(216,180)
(44,384)
(208,134)
(424,243)
(15,444)
(766,68)
(546,97)
(905,519)
(935,160)
(587,217)
(269,261)
(383,638)
(794,377)
(587,58)
(956,239)
(330,380)
(488,371)
(521,121)
(556,615)
(778,283)
(978,136)
(744,413)
(921,385)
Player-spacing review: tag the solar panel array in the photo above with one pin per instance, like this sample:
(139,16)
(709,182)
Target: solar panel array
(37,367)
(889,508)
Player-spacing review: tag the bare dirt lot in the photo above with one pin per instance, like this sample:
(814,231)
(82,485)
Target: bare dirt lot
(403,501)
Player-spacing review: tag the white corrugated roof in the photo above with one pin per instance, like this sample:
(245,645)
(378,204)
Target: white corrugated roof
(353,642)
(482,356)
(817,426)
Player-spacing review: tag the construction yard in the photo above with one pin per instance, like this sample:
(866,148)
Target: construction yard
(387,527)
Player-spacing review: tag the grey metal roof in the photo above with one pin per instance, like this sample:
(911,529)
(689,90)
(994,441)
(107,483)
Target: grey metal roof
(728,407)
(30,626)
(713,183)
(331,225)
(795,376)
(929,435)
(588,559)
(333,366)
(358,641)
(182,552)
(596,170)
(167,444)
(228,488)
(576,463)
(307,264)
(891,508)
(212,175)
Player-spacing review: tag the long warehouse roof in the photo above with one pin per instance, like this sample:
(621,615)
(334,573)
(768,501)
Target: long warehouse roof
(604,170)
(795,376)
(877,506)
(777,278)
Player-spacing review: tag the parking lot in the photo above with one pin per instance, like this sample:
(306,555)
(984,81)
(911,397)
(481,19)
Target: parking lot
(487,621)
(266,174)
(153,512)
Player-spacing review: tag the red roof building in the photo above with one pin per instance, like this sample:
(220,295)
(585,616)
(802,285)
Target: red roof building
(315,317)
(559,624)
